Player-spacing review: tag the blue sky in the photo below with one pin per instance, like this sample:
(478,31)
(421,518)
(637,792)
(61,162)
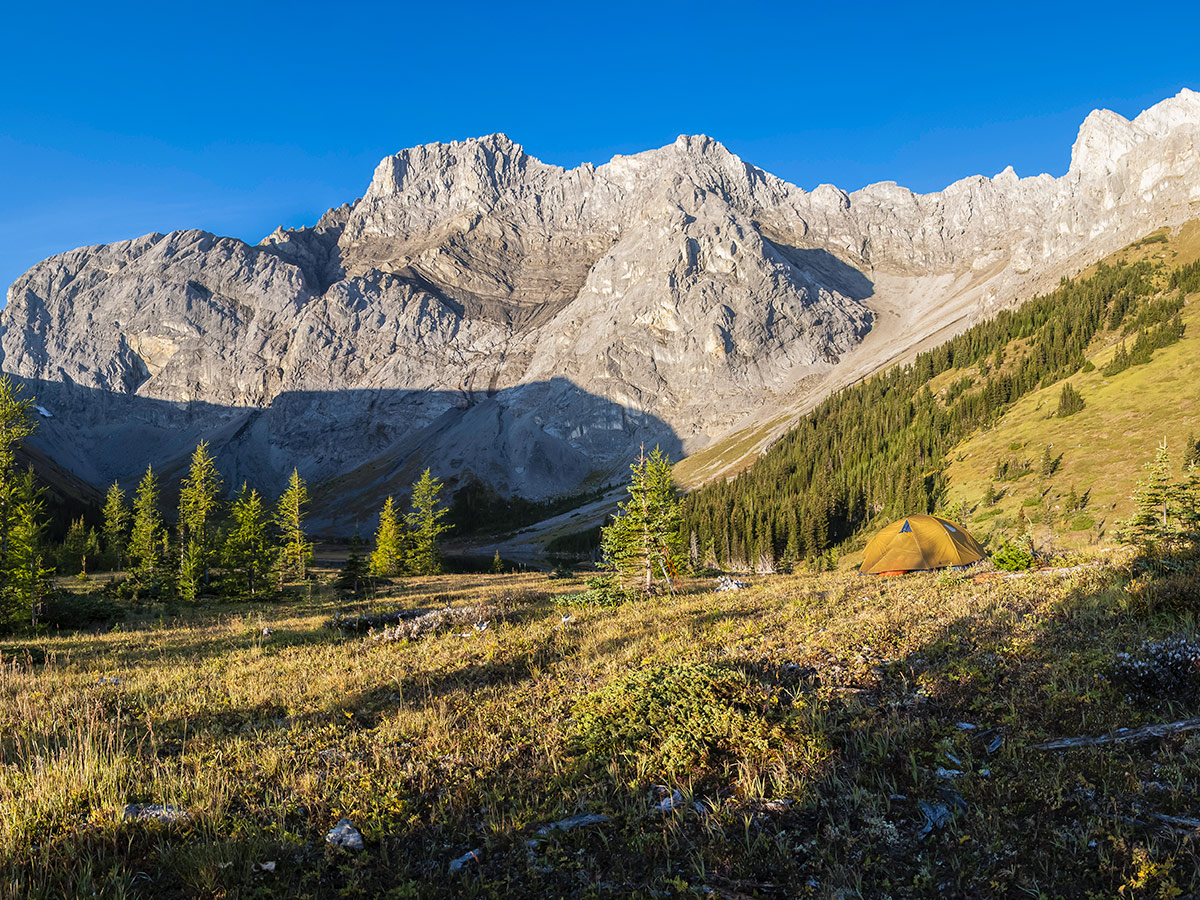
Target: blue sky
(121,119)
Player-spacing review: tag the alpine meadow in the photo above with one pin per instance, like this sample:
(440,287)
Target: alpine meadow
(643,529)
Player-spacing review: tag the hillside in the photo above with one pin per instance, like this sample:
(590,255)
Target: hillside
(882,448)
(1099,452)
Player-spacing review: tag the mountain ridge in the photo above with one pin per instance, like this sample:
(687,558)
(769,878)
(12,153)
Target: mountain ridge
(681,285)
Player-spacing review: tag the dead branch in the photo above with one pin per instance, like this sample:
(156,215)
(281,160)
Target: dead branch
(1121,735)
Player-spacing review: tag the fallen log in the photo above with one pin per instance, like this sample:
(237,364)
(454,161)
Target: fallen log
(1121,735)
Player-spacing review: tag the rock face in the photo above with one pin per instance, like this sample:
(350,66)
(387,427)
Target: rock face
(487,314)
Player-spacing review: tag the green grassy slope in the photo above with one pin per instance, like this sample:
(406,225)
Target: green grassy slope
(1100,450)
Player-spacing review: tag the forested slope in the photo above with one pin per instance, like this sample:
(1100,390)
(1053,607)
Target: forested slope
(883,448)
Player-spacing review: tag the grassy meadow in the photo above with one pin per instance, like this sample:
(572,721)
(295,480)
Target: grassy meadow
(1101,450)
(810,736)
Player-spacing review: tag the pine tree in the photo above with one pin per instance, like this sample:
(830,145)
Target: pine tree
(644,540)
(199,494)
(116,524)
(296,551)
(247,551)
(426,526)
(497,564)
(147,536)
(354,573)
(387,557)
(1189,504)
(989,496)
(16,424)
(1191,451)
(1070,401)
(1048,464)
(27,579)
(1150,524)
(80,543)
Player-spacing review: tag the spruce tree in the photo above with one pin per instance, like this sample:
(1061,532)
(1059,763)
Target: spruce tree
(1070,401)
(116,525)
(146,538)
(644,540)
(425,525)
(27,578)
(354,572)
(386,559)
(247,551)
(497,564)
(23,577)
(1189,504)
(16,424)
(199,495)
(79,544)
(295,550)
(1048,464)
(1191,451)
(1150,524)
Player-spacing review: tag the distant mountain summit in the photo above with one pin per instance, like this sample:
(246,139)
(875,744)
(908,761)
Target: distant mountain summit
(492,316)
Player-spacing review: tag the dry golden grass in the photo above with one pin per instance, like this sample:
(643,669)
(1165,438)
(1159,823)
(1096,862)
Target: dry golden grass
(465,740)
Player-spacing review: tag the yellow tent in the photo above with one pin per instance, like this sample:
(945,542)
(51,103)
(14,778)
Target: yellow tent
(920,542)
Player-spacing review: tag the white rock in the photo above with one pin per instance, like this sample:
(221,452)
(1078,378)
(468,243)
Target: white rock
(345,835)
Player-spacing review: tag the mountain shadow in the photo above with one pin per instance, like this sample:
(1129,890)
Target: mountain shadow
(354,447)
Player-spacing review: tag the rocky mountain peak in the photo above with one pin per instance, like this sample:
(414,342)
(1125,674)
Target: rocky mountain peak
(531,325)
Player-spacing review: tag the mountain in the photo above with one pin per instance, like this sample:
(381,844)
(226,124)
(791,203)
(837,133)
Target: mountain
(493,316)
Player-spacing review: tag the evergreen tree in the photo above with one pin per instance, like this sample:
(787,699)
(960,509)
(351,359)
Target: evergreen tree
(27,579)
(80,543)
(116,524)
(1150,524)
(989,496)
(295,551)
(497,564)
(16,424)
(247,551)
(1191,451)
(426,526)
(199,494)
(1189,504)
(387,558)
(147,537)
(1070,401)
(24,579)
(645,538)
(354,572)
(1048,464)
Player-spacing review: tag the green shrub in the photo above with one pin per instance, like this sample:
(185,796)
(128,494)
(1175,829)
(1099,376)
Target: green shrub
(1031,501)
(1082,523)
(693,720)
(606,590)
(66,609)
(1012,558)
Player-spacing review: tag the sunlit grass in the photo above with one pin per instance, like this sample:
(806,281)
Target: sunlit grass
(268,727)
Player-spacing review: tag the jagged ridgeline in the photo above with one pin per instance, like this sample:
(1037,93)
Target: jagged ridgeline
(877,449)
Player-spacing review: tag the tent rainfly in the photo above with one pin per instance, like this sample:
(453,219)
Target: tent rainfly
(920,542)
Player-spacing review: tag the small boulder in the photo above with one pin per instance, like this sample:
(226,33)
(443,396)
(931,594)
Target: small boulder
(346,836)
(155,812)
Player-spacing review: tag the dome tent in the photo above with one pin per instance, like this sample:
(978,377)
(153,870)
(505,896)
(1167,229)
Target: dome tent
(920,542)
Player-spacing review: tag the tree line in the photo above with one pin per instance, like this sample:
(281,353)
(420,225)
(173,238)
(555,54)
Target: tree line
(237,547)
(876,450)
